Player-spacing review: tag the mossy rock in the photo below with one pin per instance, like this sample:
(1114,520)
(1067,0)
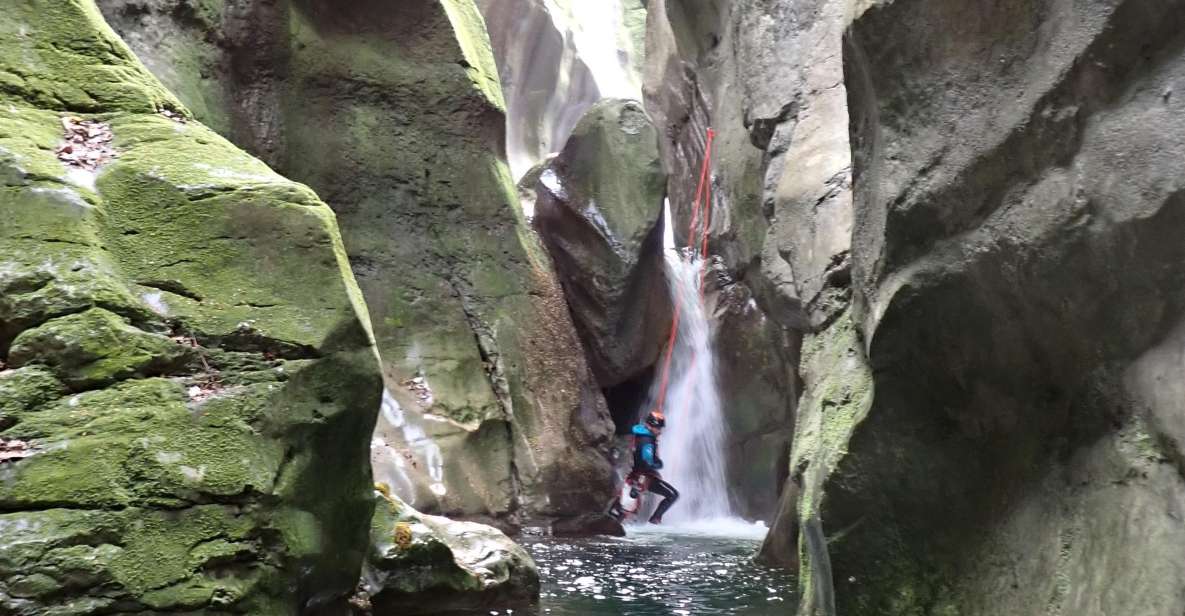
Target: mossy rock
(97,348)
(188,364)
(420,564)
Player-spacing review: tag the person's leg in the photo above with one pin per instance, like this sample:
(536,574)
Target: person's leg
(669,494)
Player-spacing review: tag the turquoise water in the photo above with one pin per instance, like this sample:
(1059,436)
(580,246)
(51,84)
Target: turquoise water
(680,572)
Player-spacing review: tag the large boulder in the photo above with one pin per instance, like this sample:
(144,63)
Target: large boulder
(187,376)
(393,112)
(599,211)
(422,564)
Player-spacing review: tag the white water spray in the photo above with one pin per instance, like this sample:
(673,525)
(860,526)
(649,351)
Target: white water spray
(692,446)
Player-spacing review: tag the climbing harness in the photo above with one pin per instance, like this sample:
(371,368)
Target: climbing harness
(701,209)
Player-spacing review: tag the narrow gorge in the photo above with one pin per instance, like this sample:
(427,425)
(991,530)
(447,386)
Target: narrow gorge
(376,307)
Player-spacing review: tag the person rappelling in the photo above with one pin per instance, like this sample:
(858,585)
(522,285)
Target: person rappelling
(645,476)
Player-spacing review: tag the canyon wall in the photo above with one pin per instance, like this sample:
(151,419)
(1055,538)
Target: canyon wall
(966,209)
(395,115)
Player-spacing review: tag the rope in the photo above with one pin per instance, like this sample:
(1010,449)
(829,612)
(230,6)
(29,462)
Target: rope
(702,207)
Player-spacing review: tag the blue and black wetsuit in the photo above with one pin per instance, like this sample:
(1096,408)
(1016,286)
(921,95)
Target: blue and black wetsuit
(647,462)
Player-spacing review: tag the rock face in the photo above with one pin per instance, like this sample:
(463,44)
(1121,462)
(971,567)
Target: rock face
(990,295)
(599,212)
(187,375)
(556,58)
(1019,276)
(394,114)
(420,564)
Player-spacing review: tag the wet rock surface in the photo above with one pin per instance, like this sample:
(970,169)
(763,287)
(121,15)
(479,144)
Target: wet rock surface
(556,58)
(741,69)
(588,525)
(987,293)
(421,564)
(599,212)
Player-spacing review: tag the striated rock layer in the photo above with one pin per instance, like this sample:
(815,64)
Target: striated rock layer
(394,114)
(187,374)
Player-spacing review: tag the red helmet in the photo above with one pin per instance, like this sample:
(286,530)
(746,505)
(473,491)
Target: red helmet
(656,420)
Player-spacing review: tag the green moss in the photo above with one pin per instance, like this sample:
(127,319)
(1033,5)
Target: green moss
(27,389)
(97,347)
(112,510)
(837,398)
(60,54)
(474,40)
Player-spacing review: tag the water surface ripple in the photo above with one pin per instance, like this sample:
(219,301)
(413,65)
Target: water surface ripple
(651,573)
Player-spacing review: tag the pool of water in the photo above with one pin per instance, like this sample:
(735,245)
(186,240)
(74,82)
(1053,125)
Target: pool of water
(681,571)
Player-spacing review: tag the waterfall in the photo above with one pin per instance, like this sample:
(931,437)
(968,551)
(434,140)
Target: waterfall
(556,58)
(692,446)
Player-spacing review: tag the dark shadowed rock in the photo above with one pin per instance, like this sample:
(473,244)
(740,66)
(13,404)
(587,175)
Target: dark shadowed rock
(1019,276)
(587,525)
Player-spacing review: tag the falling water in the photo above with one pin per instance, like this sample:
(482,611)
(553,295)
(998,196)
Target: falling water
(692,446)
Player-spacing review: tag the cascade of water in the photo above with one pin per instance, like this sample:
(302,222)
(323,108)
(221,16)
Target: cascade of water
(693,444)
(556,58)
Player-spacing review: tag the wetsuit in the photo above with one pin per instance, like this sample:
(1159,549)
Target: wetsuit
(646,467)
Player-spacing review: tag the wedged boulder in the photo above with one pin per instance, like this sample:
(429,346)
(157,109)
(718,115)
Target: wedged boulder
(422,564)
(599,212)
(187,377)
(401,129)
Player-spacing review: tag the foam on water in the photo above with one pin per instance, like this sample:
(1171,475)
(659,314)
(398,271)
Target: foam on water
(724,528)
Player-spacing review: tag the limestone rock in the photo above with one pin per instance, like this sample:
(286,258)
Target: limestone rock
(1015,259)
(176,262)
(600,214)
(420,564)
(738,68)
(400,127)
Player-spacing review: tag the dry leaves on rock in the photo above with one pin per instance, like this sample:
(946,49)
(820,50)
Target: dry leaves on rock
(87,143)
(12,450)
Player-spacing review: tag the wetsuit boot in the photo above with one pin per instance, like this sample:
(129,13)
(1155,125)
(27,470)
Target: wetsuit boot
(670,494)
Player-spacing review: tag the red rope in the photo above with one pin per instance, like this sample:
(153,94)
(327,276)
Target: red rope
(703,202)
